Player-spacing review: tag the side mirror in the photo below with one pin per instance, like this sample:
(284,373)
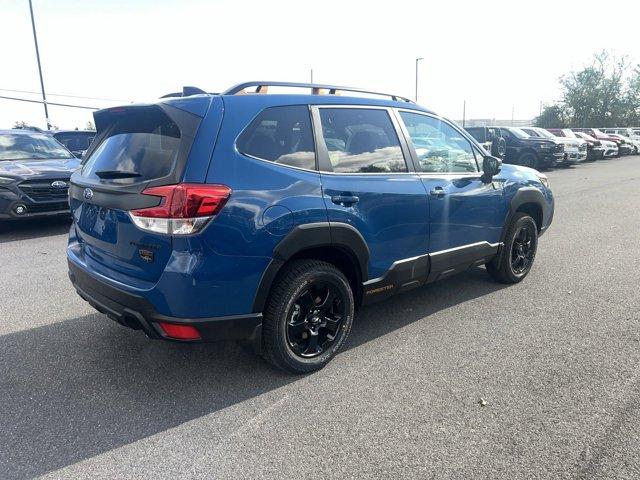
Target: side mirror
(490,167)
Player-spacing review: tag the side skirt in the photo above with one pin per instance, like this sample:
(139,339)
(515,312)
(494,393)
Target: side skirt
(410,273)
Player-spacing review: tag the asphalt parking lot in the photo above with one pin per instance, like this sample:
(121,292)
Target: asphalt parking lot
(555,359)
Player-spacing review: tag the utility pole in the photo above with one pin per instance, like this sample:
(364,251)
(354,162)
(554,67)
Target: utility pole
(35,40)
(417,60)
(464,113)
(513,109)
(312,75)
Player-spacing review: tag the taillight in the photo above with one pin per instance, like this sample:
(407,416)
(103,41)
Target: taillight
(185,208)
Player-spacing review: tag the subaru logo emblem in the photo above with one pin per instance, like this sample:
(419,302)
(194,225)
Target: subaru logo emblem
(88,193)
(59,184)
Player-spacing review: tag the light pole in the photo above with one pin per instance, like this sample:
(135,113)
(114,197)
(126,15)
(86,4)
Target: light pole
(35,40)
(417,60)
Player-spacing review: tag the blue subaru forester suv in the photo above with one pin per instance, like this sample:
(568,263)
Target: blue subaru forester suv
(272,216)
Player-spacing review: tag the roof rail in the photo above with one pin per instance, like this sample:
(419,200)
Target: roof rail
(261,87)
(186,92)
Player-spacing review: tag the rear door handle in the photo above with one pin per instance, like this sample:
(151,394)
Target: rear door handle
(437,191)
(345,200)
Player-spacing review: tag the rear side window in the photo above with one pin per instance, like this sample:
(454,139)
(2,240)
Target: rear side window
(361,140)
(140,146)
(281,135)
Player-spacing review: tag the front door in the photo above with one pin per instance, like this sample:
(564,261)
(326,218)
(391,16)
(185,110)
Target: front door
(466,212)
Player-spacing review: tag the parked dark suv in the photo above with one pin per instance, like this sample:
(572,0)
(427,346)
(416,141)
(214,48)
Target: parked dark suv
(34,175)
(534,152)
(272,216)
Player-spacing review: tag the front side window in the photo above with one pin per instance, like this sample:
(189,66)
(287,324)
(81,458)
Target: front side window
(361,140)
(281,135)
(440,147)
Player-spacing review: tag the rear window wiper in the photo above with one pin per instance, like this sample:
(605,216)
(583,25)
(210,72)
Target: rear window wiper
(106,174)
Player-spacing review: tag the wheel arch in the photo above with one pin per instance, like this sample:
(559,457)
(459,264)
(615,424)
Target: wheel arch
(336,243)
(528,200)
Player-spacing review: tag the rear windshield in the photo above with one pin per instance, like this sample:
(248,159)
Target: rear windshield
(21,146)
(75,141)
(138,147)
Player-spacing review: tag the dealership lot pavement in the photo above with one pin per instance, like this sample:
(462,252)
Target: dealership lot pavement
(556,360)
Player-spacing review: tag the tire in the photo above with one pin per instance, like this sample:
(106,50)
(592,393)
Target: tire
(311,302)
(499,147)
(503,268)
(529,160)
(502,148)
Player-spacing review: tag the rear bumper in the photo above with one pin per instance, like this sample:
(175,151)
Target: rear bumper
(136,312)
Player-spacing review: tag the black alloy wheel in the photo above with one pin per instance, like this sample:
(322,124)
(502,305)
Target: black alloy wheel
(515,259)
(523,249)
(315,319)
(308,316)
(529,160)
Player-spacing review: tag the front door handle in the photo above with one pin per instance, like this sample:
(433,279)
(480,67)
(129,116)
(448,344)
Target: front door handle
(437,191)
(345,200)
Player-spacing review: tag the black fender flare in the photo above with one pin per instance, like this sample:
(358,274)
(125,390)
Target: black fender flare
(308,236)
(522,196)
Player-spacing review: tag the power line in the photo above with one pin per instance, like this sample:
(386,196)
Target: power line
(48,103)
(63,95)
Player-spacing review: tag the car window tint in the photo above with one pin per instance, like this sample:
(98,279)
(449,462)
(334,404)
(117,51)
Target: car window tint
(144,143)
(439,146)
(75,142)
(361,140)
(281,135)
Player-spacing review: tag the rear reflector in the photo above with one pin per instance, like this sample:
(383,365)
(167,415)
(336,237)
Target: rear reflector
(185,208)
(179,331)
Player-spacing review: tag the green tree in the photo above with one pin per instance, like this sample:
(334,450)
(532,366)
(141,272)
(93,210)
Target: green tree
(552,116)
(632,98)
(602,94)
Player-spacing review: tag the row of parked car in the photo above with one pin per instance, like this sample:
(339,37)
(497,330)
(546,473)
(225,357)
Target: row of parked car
(541,148)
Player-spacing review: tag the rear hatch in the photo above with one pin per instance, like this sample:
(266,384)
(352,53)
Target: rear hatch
(136,147)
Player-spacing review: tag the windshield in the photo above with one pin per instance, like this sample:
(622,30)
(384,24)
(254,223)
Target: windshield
(569,133)
(585,136)
(21,146)
(544,133)
(519,133)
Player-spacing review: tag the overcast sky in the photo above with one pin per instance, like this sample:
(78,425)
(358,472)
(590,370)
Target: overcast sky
(495,54)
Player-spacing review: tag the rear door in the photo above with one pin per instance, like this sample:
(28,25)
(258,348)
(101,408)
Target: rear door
(466,213)
(368,182)
(135,148)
